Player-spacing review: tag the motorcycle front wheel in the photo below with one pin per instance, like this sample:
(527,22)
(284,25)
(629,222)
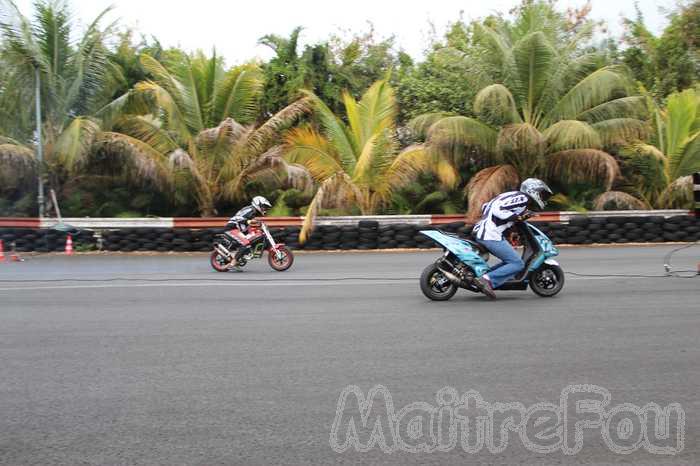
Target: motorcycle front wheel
(280,259)
(435,285)
(219,262)
(547,281)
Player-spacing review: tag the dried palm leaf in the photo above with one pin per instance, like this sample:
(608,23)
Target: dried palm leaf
(621,201)
(678,194)
(583,166)
(488,183)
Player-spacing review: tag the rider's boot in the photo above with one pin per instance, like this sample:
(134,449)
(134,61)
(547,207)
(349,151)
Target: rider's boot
(484,284)
(241,253)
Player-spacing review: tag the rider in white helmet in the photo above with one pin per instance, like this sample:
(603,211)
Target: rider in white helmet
(497,216)
(258,207)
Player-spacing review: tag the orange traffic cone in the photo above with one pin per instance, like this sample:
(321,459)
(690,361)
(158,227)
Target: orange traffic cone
(14,257)
(69,246)
(2,252)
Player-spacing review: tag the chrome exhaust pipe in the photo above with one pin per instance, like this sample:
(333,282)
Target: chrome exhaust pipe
(223,251)
(450,276)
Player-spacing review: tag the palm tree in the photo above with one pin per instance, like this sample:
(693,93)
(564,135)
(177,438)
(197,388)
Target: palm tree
(661,171)
(550,112)
(196,119)
(76,80)
(358,163)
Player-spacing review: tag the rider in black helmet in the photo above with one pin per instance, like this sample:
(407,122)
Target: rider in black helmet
(496,217)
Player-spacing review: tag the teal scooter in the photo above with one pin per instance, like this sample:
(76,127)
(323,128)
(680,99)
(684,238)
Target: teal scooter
(465,259)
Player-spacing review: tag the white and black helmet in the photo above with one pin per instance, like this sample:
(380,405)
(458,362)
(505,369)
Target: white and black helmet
(537,190)
(261,204)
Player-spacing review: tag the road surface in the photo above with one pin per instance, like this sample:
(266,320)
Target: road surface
(180,365)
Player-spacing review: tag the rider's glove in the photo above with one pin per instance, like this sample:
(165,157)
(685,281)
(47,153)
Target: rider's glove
(524,216)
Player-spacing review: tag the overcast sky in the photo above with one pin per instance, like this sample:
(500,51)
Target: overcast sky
(234,27)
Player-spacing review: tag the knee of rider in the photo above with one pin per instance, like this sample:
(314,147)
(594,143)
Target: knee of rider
(520,263)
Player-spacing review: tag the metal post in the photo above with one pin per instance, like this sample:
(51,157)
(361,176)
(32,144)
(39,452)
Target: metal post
(39,144)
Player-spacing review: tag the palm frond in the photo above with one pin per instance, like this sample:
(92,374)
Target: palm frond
(148,130)
(451,136)
(595,89)
(571,134)
(75,143)
(678,194)
(682,110)
(446,172)
(649,168)
(565,73)
(496,104)
(268,134)
(689,162)
(376,110)
(621,131)
(583,166)
(227,132)
(273,171)
(191,100)
(337,190)
(624,107)
(237,96)
(336,132)
(404,169)
(522,146)
(163,78)
(533,57)
(270,167)
(17,165)
(421,124)
(620,201)
(308,148)
(159,99)
(139,157)
(486,184)
(499,56)
(365,161)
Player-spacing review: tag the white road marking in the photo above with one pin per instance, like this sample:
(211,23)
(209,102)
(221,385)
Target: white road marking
(309,282)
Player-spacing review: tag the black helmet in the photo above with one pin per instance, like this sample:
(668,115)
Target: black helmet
(537,190)
(261,204)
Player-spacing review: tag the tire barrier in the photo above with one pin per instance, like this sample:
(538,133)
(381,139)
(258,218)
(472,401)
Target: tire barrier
(46,240)
(364,235)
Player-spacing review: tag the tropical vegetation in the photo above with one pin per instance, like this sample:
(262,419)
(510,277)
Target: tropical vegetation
(350,124)
(553,110)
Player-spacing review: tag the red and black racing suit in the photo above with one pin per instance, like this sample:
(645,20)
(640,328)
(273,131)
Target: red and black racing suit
(239,222)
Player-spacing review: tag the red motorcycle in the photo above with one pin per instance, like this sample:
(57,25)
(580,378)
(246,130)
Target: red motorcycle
(259,239)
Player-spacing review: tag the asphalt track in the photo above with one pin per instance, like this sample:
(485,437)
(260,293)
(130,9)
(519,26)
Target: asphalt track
(183,366)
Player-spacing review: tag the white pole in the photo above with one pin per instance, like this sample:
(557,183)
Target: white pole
(40,147)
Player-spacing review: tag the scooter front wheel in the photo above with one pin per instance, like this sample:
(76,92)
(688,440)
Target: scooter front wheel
(435,285)
(547,281)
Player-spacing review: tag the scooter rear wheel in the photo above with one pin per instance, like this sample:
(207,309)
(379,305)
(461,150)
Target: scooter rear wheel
(435,285)
(547,281)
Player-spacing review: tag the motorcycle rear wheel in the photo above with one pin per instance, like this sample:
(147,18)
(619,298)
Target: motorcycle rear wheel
(283,263)
(435,285)
(547,281)
(219,262)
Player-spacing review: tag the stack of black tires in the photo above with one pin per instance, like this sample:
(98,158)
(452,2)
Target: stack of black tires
(159,239)
(45,240)
(608,230)
(364,235)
